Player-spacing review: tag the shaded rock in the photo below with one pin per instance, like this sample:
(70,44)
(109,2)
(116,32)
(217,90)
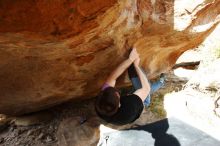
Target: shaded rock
(40,136)
(30,132)
(70,47)
(48,139)
(4,122)
(1,140)
(72,133)
(17,143)
(33,119)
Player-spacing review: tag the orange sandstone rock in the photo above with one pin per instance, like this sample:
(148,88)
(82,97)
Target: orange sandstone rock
(54,51)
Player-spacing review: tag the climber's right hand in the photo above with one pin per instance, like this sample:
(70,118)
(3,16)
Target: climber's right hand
(133,55)
(137,61)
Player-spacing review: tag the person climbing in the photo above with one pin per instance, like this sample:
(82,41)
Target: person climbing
(121,110)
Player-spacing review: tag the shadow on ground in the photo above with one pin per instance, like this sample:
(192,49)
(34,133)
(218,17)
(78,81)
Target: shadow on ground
(166,132)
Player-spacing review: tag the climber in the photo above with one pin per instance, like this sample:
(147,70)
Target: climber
(121,110)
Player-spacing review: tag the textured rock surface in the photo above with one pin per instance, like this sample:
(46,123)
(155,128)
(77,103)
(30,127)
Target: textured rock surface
(71,133)
(53,51)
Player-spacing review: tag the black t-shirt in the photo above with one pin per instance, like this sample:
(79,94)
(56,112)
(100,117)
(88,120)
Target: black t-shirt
(130,110)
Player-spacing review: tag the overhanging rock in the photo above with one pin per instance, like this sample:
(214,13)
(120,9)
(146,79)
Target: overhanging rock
(54,51)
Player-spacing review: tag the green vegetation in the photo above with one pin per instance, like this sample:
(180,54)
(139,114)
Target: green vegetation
(157,106)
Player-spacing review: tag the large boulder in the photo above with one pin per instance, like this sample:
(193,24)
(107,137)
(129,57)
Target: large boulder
(54,51)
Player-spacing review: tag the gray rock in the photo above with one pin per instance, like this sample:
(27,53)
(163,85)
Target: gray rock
(17,143)
(33,119)
(71,132)
(40,136)
(29,132)
(1,140)
(48,139)
(3,124)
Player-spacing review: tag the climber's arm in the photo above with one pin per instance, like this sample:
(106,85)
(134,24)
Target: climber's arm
(145,89)
(111,80)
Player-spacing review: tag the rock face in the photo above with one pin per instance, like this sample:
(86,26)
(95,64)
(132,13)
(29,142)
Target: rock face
(73,133)
(54,51)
